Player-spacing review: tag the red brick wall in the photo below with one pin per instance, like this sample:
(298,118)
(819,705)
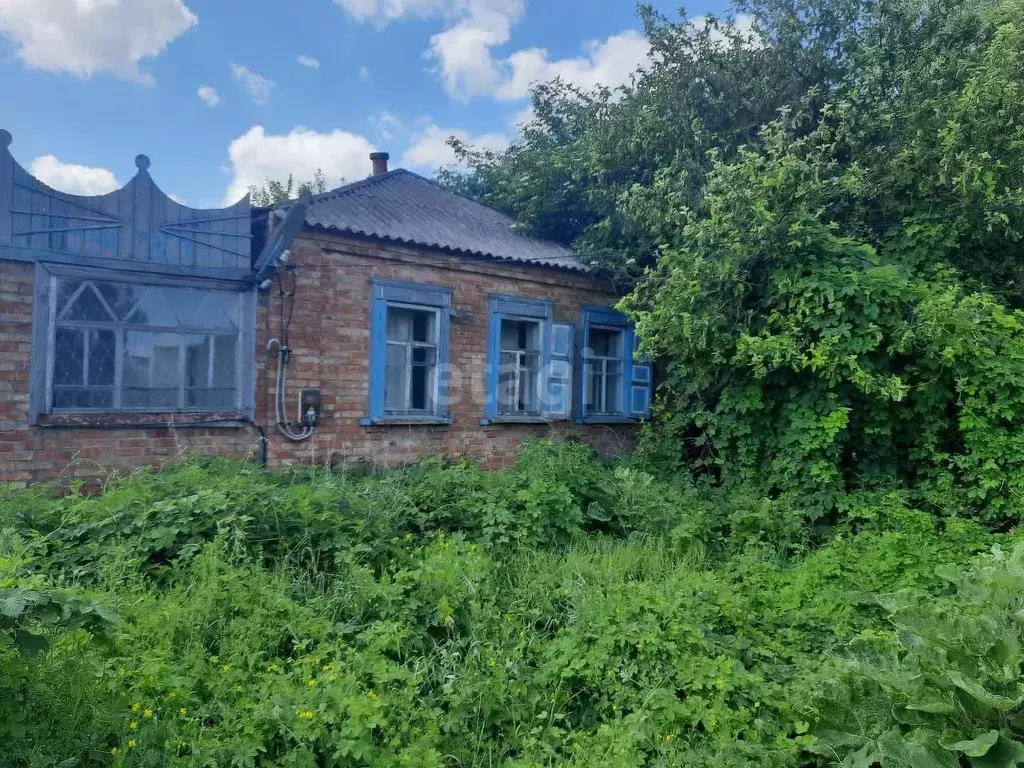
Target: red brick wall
(29,454)
(329,336)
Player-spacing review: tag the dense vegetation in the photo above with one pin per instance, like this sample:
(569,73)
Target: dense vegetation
(821,224)
(812,560)
(562,613)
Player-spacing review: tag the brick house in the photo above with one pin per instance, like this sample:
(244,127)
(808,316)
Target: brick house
(382,321)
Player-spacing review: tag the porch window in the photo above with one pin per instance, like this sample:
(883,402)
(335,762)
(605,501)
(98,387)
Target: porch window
(616,384)
(119,346)
(408,353)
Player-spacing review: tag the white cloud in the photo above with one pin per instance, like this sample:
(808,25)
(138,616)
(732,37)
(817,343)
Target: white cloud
(608,63)
(73,179)
(85,37)
(383,12)
(176,199)
(209,95)
(364,73)
(429,148)
(257,155)
(462,54)
(258,87)
(308,61)
(387,125)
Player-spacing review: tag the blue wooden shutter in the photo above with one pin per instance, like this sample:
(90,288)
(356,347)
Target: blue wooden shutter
(441,407)
(641,380)
(378,356)
(493,360)
(558,390)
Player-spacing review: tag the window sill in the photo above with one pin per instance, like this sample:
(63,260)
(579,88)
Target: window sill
(129,420)
(497,420)
(406,421)
(610,419)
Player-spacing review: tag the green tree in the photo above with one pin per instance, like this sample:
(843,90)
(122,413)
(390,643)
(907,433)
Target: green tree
(837,310)
(709,88)
(277,191)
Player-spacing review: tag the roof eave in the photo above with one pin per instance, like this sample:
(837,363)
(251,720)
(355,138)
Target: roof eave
(581,270)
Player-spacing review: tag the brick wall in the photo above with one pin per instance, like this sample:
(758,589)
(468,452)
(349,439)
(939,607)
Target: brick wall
(329,337)
(29,454)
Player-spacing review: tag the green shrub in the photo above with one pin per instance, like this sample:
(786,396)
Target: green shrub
(562,612)
(948,672)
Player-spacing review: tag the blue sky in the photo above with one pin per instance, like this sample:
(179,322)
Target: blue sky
(219,98)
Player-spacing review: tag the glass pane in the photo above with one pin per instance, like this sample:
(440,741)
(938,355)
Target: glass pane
(87,306)
(410,325)
(83,397)
(613,384)
(69,356)
(198,391)
(520,334)
(225,362)
(102,351)
(594,388)
(197,361)
(528,393)
(424,355)
(216,310)
(152,370)
(421,397)
(605,342)
(395,381)
(508,374)
(121,297)
(210,398)
(65,290)
(153,309)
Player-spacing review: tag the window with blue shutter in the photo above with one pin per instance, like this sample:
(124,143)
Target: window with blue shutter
(409,330)
(614,384)
(559,369)
(529,362)
(641,384)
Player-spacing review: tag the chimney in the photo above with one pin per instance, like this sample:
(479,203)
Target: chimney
(380,162)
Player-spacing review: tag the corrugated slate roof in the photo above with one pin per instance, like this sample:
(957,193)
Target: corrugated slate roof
(404,207)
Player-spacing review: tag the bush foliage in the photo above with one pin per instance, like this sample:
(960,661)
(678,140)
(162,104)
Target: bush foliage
(564,612)
(821,222)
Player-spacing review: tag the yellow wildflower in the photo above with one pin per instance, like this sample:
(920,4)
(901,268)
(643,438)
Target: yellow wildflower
(311,683)
(171,695)
(114,751)
(131,743)
(227,667)
(135,707)
(372,695)
(148,713)
(133,725)
(182,711)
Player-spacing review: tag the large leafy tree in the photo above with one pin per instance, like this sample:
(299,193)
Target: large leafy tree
(708,89)
(838,310)
(831,215)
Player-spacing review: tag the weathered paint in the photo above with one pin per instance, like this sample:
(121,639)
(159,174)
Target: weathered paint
(135,225)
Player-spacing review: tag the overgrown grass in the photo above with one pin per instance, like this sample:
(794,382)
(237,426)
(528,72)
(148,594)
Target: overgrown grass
(562,613)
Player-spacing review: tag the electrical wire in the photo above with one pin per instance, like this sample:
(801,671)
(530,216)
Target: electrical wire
(283,354)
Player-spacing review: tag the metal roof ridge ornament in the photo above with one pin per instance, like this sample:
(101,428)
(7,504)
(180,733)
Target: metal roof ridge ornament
(138,222)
